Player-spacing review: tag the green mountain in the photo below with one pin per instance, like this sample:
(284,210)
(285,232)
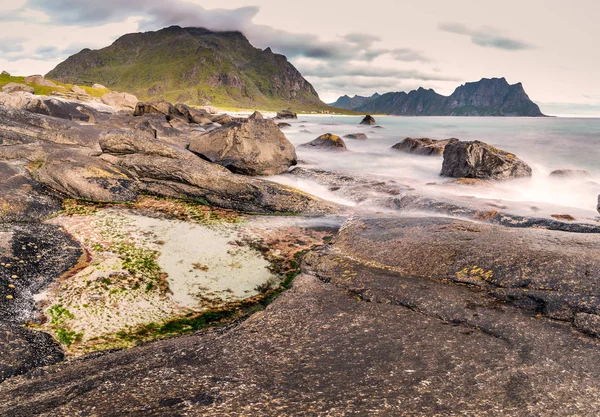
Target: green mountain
(193,66)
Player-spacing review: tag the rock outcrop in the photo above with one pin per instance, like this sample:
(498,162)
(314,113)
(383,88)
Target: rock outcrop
(327,142)
(423,146)
(122,101)
(39,80)
(14,87)
(252,147)
(480,160)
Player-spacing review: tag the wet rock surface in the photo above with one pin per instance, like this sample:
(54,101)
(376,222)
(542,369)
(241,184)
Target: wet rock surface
(480,160)
(327,142)
(423,146)
(494,313)
(431,345)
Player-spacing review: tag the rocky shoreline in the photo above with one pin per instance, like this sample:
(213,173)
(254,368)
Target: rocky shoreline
(433,307)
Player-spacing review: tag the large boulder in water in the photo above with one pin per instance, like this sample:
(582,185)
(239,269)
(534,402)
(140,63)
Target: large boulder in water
(253,147)
(480,160)
(423,146)
(327,141)
(368,120)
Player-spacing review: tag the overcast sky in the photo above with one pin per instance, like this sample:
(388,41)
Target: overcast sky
(345,47)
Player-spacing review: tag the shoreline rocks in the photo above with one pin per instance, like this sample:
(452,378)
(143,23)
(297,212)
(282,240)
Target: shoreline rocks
(423,146)
(254,146)
(480,160)
(327,142)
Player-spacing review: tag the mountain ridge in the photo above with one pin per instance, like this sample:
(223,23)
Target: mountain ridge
(486,97)
(193,66)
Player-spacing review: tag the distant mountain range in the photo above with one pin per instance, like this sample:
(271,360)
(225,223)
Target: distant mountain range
(487,97)
(351,103)
(193,66)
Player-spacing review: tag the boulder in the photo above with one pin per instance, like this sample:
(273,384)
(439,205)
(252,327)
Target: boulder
(199,179)
(356,136)
(570,173)
(19,100)
(327,141)
(286,114)
(598,205)
(120,101)
(78,90)
(122,142)
(257,115)
(480,160)
(14,87)
(283,125)
(99,86)
(155,107)
(192,115)
(423,146)
(221,119)
(368,120)
(39,80)
(250,147)
(209,109)
(78,175)
(5,73)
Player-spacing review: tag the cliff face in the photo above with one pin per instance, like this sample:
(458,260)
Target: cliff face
(487,97)
(195,66)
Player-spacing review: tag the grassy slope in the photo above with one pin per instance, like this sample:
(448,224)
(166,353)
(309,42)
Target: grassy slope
(43,90)
(177,66)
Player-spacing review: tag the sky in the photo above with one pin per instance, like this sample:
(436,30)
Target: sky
(345,47)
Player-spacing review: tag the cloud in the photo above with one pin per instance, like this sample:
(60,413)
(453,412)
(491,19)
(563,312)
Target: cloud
(408,55)
(11,45)
(343,56)
(486,37)
(332,71)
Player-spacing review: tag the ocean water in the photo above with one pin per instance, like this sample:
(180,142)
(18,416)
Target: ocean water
(546,144)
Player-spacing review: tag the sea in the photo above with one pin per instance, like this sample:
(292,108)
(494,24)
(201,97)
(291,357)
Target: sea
(546,144)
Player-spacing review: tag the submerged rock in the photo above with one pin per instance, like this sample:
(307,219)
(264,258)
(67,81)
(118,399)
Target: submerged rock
(480,160)
(570,173)
(368,120)
(283,125)
(423,146)
(327,141)
(356,136)
(251,147)
(286,114)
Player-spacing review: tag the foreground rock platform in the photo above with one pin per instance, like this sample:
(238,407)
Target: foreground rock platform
(360,332)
